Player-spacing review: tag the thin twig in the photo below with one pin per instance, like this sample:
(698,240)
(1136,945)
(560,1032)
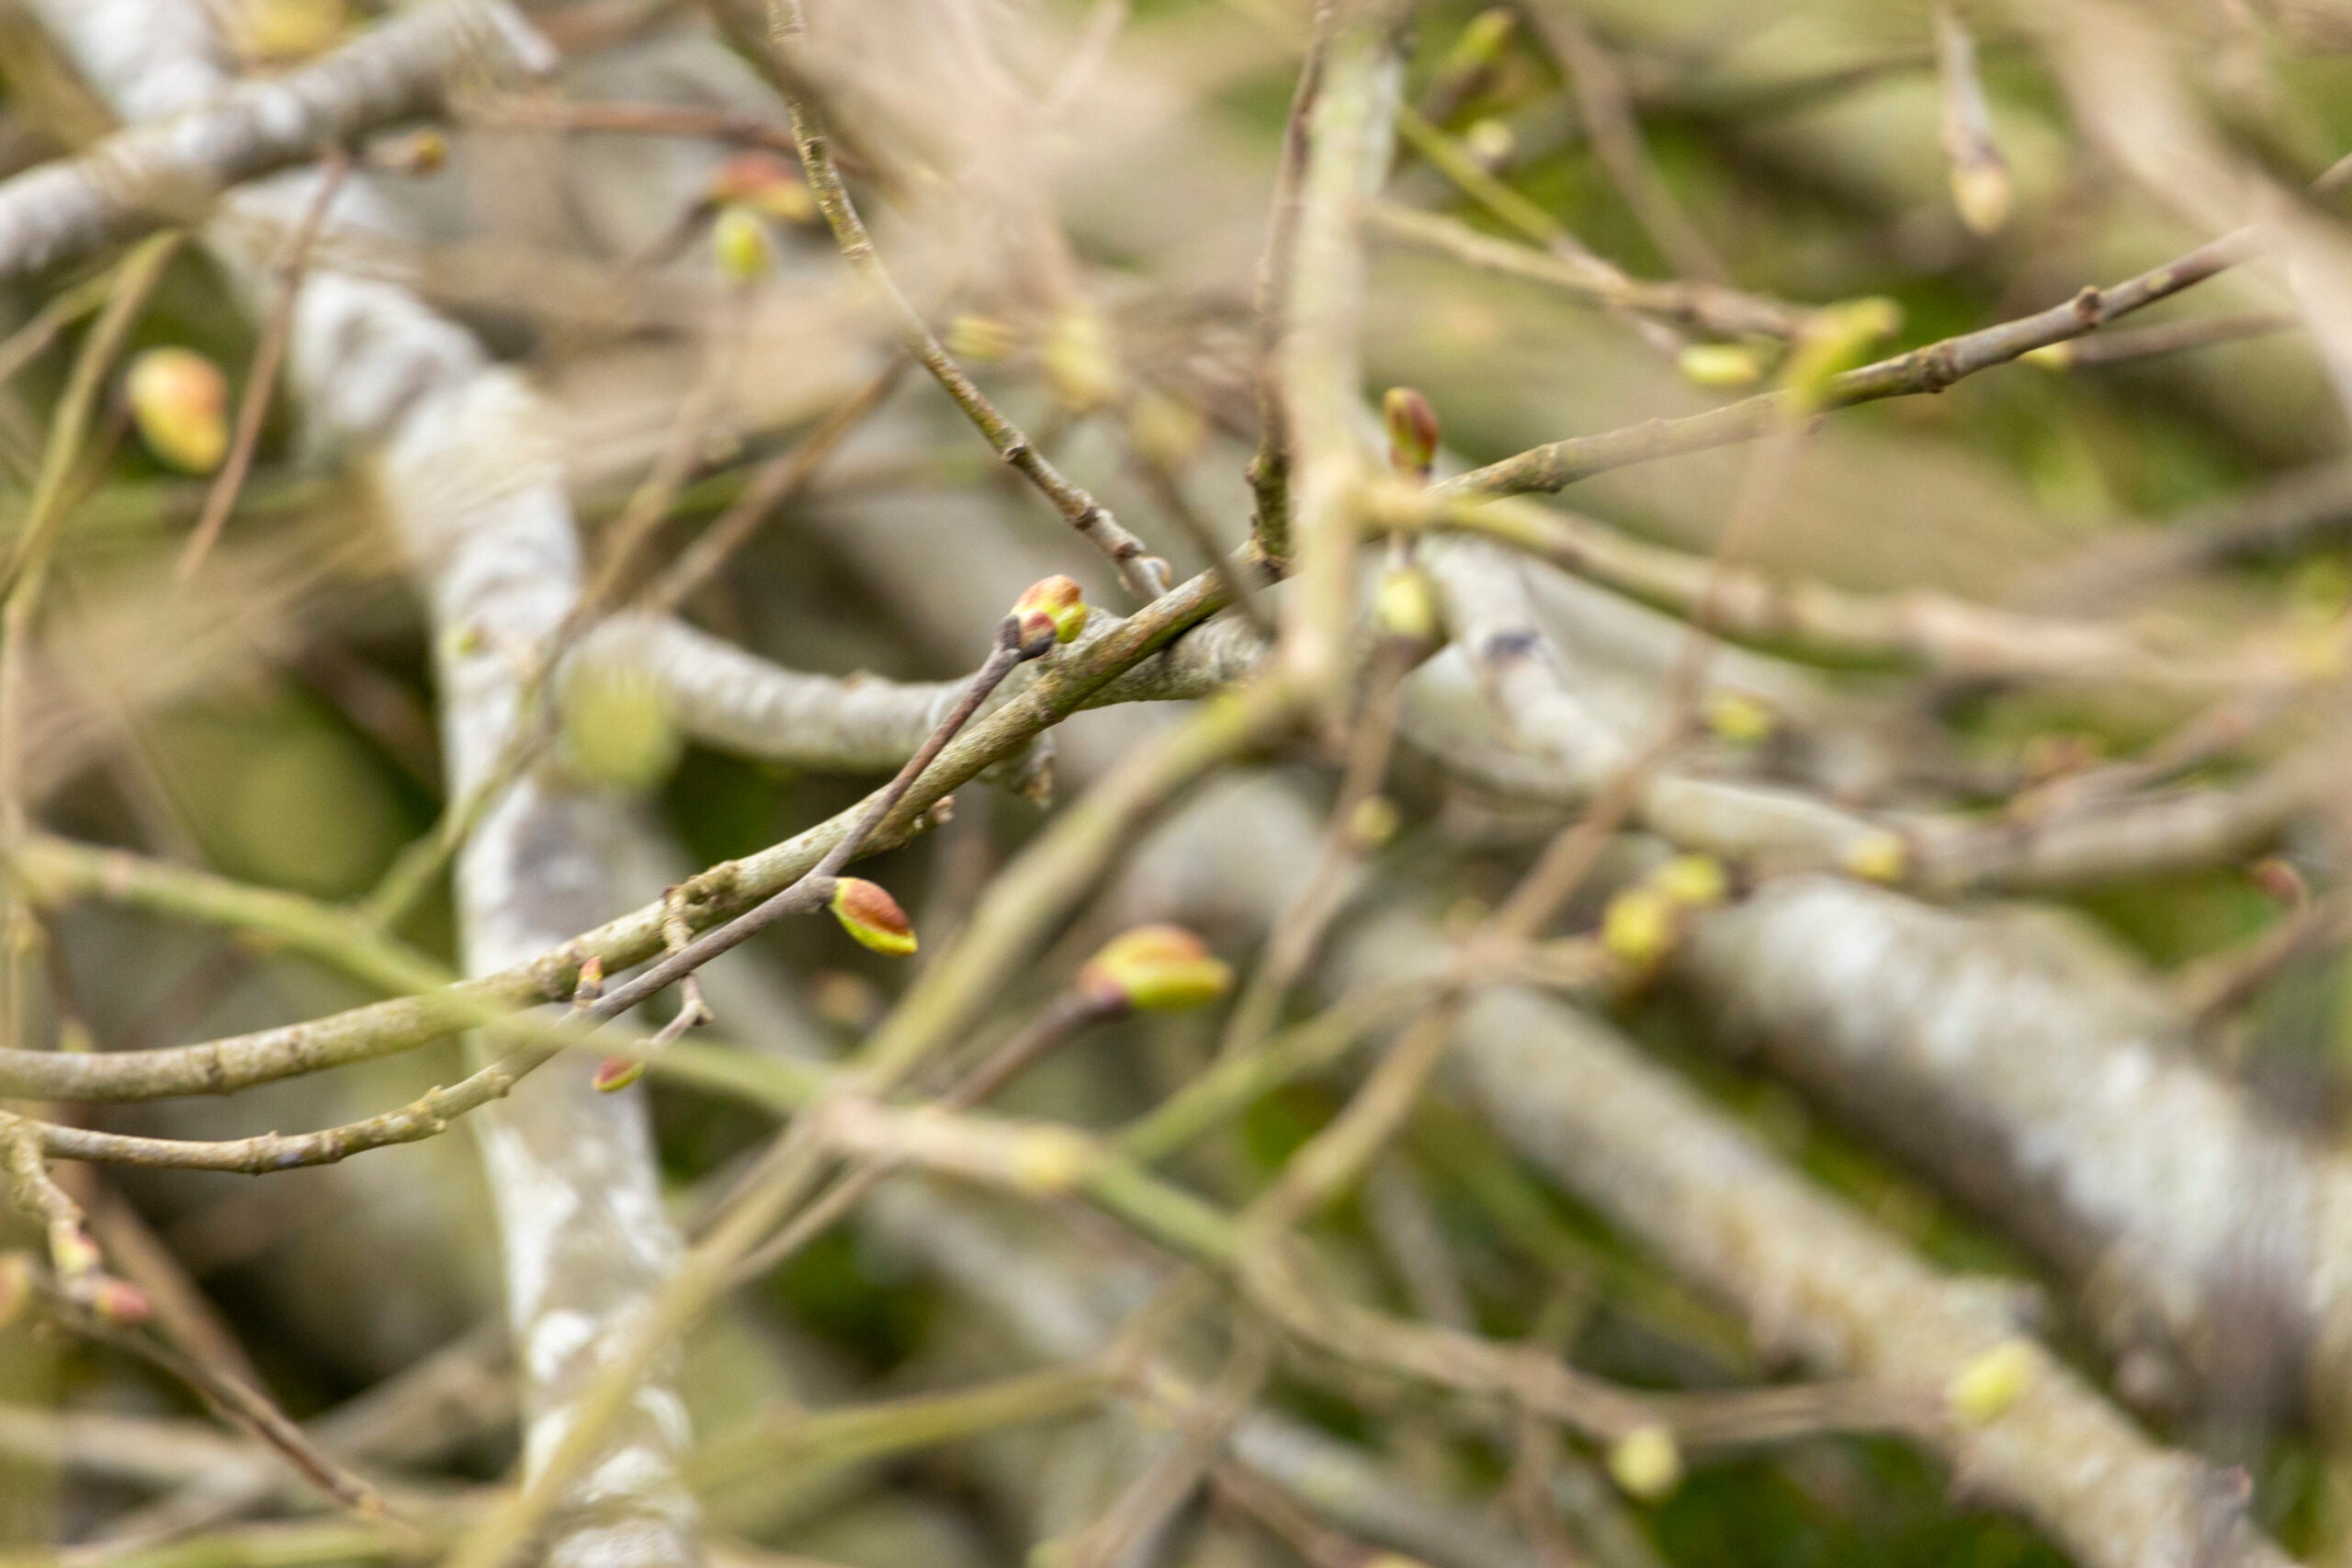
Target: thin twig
(1143,574)
(261,375)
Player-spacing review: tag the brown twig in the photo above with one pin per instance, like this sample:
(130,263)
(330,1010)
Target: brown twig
(1143,574)
(261,375)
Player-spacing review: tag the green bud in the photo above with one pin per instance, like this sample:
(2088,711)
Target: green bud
(1647,1462)
(1406,605)
(739,239)
(1155,968)
(1983,1390)
(1835,341)
(616,729)
(1722,364)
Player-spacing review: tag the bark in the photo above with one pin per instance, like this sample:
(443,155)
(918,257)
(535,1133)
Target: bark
(1814,1280)
(466,475)
(2029,1069)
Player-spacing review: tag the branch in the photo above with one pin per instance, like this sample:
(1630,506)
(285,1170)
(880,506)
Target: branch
(155,175)
(2025,1066)
(1929,369)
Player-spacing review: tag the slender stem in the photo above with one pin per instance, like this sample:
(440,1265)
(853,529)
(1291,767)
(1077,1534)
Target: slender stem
(1144,575)
(261,375)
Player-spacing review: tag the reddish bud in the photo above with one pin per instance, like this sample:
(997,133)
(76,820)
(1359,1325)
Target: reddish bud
(616,1073)
(2280,882)
(1157,968)
(179,400)
(591,984)
(765,182)
(1049,611)
(117,1301)
(1412,431)
(869,914)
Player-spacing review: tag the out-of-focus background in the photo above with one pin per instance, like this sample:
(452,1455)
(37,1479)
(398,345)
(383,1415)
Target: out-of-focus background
(1912,1132)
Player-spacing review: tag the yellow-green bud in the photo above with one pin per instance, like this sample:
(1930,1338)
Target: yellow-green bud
(982,339)
(869,914)
(1374,821)
(1052,609)
(616,730)
(1169,431)
(591,984)
(1722,364)
(1983,1390)
(1406,605)
(1737,716)
(1979,189)
(1638,927)
(1482,40)
(1412,431)
(1835,341)
(1876,856)
(179,400)
(739,239)
(278,31)
(1048,1161)
(1647,1462)
(71,1251)
(1490,140)
(1155,968)
(1695,882)
(1079,363)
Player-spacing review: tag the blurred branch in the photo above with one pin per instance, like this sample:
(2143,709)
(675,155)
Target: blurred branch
(1145,576)
(1929,369)
(1708,307)
(149,176)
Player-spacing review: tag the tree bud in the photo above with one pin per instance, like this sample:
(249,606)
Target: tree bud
(1155,968)
(1051,609)
(179,400)
(869,914)
(1412,431)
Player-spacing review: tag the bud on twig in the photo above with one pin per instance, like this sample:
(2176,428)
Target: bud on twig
(1155,968)
(739,239)
(1412,431)
(1080,365)
(1050,610)
(1836,340)
(870,914)
(1647,1462)
(1722,364)
(1983,1390)
(179,400)
(1405,606)
(1876,856)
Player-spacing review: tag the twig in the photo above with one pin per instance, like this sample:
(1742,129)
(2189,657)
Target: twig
(777,481)
(150,177)
(1142,574)
(1929,369)
(1616,135)
(1348,129)
(1724,312)
(1980,176)
(224,1065)
(2171,337)
(1269,471)
(261,375)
